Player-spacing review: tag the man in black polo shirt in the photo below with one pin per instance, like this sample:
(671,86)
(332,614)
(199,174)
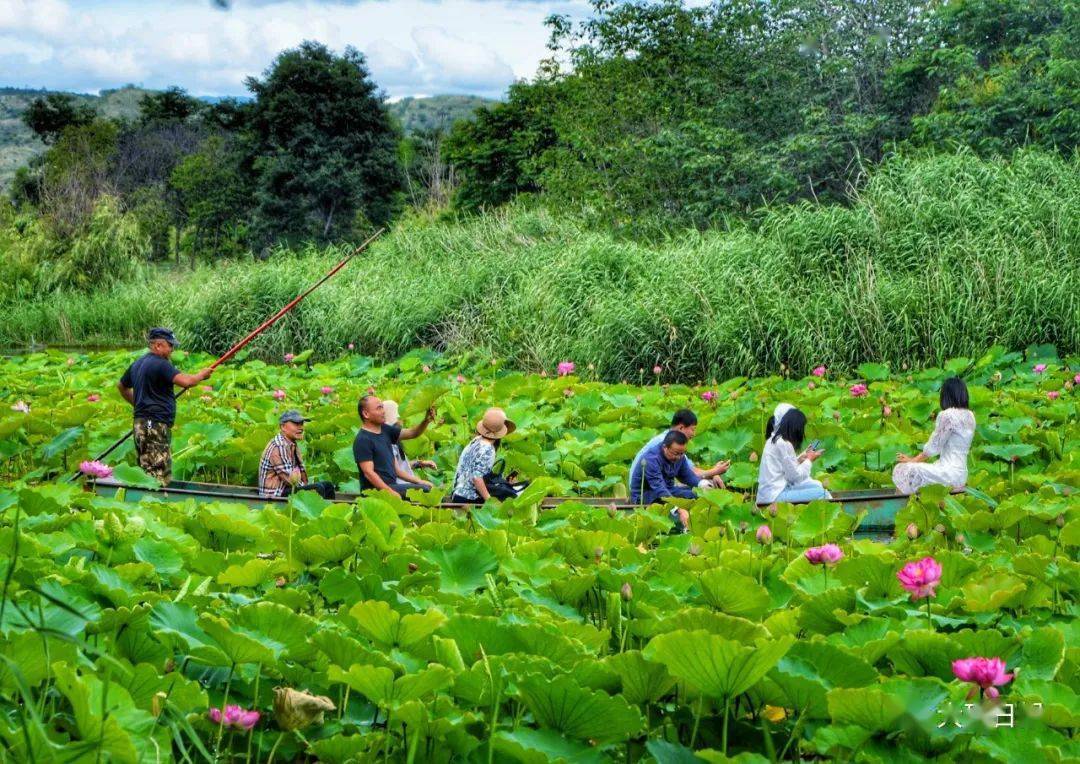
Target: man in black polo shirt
(373,448)
(148,386)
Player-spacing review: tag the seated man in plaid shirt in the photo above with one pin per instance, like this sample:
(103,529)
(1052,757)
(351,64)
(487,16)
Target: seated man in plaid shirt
(281,471)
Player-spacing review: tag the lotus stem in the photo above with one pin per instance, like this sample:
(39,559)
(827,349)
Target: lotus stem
(697,720)
(929,622)
(270,759)
(723,736)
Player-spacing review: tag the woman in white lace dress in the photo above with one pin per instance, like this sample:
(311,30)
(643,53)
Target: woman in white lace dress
(951,441)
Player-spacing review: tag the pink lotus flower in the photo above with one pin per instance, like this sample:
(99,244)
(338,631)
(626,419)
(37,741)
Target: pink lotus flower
(22,406)
(708,396)
(461,379)
(566,368)
(279,395)
(1076,379)
(543,374)
(234,716)
(858,390)
(764,535)
(351,346)
(289,357)
(208,388)
(886,411)
(829,554)
(819,371)
(753,456)
(326,389)
(810,385)
(985,673)
(919,578)
(1053,395)
(657,369)
(568,392)
(1039,368)
(95,469)
(426,369)
(93,398)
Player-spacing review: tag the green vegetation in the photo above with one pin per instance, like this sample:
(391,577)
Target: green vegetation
(935,258)
(440,112)
(514,634)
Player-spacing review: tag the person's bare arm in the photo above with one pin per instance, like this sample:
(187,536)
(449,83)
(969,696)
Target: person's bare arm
(190,380)
(405,477)
(126,393)
(368,470)
(417,430)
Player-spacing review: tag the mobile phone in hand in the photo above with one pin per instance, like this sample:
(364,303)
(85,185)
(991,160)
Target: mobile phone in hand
(815,446)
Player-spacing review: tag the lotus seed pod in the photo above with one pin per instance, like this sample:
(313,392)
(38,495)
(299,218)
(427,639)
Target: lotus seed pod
(626,592)
(912,531)
(939,528)
(413,567)
(136,526)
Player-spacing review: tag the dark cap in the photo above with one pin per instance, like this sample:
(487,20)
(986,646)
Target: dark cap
(162,334)
(294,416)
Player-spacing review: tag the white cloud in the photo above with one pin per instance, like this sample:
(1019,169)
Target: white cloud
(412,46)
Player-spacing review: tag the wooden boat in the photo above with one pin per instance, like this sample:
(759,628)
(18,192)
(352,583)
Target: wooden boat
(880,505)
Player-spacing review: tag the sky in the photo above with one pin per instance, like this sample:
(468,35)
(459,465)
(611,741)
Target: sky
(413,47)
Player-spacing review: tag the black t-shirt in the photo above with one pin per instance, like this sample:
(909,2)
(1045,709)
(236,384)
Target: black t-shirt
(377,448)
(151,377)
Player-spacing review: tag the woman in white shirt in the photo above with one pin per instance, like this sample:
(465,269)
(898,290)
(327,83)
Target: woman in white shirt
(950,442)
(783,476)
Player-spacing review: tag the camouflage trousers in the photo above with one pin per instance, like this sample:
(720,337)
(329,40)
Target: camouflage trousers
(153,443)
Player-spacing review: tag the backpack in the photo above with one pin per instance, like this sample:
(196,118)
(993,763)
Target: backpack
(500,487)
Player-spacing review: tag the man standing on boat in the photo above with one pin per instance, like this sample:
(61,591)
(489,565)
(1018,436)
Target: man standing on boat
(148,386)
(373,449)
(281,471)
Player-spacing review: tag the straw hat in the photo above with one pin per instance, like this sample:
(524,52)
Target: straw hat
(391,410)
(495,424)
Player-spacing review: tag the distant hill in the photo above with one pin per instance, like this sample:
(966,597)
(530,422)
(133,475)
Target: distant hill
(433,112)
(18,144)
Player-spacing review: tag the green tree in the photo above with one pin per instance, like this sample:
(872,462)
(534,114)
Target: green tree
(51,115)
(171,105)
(499,155)
(212,197)
(324,147)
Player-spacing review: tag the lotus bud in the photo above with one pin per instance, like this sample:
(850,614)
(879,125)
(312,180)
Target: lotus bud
(743,526)
(280,582)
(960,539)
(753,456)
(626,592)
(810,386)
(764,535)
(413,567)
(773,510)
(912,531)
(886,411)
(836,416)
(1060,521)
(294,709)
(939,528)
(612,510)
(70,361)
(598,553)
(568,392)
(694,550)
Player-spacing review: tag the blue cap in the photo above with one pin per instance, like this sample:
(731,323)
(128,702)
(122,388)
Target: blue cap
(159,333)
(294,416)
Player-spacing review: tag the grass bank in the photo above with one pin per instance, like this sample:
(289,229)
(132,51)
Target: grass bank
(938,257)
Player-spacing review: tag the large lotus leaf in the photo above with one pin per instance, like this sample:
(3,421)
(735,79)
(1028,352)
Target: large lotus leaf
(642,680)
(671,753)
(251,573)
(1060,705)
(691,619)
(33,654)
(388,627)
(279,628)
(376,683)
(345,651)
(463,568)
(1021,741)
(143,682)
(181,622)
(871,708)
(926,653)
(817,522)
(421,684)
(811,669)
(1042,653)
(718,667)
(130,475)
(238,648)
(993,591)
(480,635)
(821,613)
(341,749)
(384,527)
(315,549)
(60,443)
(531,746)
(161,555)
(422,397)
(734,593)
(562,705)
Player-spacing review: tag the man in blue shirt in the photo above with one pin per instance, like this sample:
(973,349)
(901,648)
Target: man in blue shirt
(660,467)
(684,421)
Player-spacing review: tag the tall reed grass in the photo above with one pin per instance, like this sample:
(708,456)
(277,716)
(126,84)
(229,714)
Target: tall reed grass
(936,257)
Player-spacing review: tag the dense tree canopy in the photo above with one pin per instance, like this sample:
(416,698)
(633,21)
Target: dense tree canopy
(49,116)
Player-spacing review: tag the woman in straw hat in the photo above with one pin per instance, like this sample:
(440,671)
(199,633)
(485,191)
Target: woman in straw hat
(479,457)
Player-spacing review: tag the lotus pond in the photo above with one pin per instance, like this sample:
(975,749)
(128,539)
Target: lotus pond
(383,630)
